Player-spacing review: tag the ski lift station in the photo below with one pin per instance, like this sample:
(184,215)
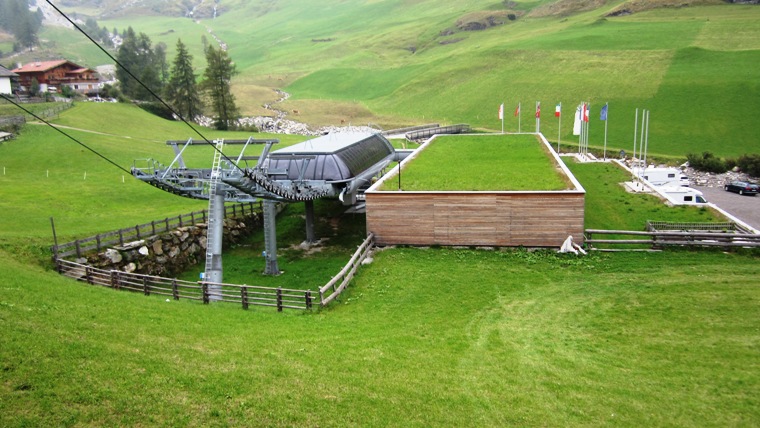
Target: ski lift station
(350,167)
(338,166)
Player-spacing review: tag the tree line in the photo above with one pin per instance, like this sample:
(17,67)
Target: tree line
(146,74)
(17,19)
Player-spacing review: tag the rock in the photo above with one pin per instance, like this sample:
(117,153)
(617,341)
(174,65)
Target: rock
(113,255)
(158,248)
(173,252)
(130,268)
(144,250)
(203,242)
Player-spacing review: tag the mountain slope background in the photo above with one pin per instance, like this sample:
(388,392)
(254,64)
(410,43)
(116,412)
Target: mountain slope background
(399,62)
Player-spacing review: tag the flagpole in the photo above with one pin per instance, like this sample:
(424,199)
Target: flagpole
(641,139)
(559,125)
(501,113)
(538,117)
(519,117)
(635,131)
(606,119)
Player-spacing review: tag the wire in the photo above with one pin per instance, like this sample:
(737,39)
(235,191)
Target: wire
(141,83)
(67,135)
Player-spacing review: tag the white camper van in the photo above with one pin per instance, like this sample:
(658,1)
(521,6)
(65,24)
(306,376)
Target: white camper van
(662,176)
(679,195)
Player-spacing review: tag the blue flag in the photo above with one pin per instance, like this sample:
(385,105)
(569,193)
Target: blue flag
(603,113)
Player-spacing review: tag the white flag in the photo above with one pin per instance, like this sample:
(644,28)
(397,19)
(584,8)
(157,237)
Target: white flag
(501,111)
(577,122)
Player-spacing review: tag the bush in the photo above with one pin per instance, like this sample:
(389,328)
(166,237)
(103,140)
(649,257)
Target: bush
(749,164)
(707,162)
(157,109)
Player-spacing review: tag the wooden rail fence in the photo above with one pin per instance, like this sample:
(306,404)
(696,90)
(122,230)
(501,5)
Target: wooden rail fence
(206,292)
(660,239)
(347,273)
(120,237)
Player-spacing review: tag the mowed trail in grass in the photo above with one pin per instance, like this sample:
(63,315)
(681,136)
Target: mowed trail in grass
(433,337)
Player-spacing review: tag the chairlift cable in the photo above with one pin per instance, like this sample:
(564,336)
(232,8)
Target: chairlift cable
(65,134)
(141,83)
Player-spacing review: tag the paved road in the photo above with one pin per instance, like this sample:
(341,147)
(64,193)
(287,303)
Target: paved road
(745,208)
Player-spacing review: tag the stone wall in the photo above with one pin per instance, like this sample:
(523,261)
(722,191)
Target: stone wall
(170,253)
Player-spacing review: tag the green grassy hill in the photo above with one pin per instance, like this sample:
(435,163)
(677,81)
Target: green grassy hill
(395,62)
(423,337)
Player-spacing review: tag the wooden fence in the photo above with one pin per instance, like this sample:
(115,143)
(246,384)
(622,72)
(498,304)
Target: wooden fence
(347,273)
(244,295)
(660,239)
(120,237)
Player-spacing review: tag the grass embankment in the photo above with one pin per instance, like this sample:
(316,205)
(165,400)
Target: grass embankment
(481,163)
(609,206)
(538,339)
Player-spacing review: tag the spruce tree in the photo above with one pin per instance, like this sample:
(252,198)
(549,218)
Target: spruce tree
(182,90)
(216,84)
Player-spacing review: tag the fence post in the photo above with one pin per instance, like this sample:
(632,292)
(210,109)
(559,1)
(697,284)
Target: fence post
(97,239)
(204,216)
(204,290)
(180,220)
(244,296)
(234,210)
(192,217)
(279,299)
(121,238)
(87,275)
(113,279)
(153,227)
(166,220)
(146,290)
(308,299)
(79,250)
(137,231)
(175,290)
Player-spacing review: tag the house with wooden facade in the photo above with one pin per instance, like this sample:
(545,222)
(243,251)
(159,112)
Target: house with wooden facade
(53,75)
(7,81)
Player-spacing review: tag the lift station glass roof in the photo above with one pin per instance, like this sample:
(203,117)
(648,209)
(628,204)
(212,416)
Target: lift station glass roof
(332,157)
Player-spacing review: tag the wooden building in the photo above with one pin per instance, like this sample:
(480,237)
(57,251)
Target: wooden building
(480,218)
(7,80)
(52,75)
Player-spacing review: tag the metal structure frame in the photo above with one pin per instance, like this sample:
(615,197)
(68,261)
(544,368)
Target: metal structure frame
(295,174)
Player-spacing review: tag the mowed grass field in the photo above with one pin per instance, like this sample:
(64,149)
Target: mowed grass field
(423,337)
(390,63)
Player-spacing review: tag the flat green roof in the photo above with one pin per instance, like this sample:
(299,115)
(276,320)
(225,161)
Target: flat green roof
(489,162)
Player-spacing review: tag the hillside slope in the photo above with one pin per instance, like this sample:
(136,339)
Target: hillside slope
(396,62)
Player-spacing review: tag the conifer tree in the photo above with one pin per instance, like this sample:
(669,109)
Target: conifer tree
(182,90)
(216,84)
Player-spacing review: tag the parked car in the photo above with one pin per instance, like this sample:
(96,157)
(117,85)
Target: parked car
(742,188)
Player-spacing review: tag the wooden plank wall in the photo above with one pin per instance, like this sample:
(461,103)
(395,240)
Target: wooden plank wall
(531,219)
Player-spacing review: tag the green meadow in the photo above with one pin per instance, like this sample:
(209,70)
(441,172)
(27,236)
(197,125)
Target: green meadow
(423,336)
(393,63)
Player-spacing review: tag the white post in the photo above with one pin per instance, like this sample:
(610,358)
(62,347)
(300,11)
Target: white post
(606,119)
(538,117)
(559,126)
(635,131)
(519,117)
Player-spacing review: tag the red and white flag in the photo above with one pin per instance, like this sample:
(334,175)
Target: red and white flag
(586,110)
(517,110)
(558,110)
(538,110)
(501,111)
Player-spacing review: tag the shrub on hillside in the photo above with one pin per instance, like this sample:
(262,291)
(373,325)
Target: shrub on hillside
(749,164)
(158,109)
(706,162)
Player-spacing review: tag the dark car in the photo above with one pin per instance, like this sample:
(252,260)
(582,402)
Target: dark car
(742,188)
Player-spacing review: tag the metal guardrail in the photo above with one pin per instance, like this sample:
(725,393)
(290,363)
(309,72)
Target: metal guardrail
(427,133)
